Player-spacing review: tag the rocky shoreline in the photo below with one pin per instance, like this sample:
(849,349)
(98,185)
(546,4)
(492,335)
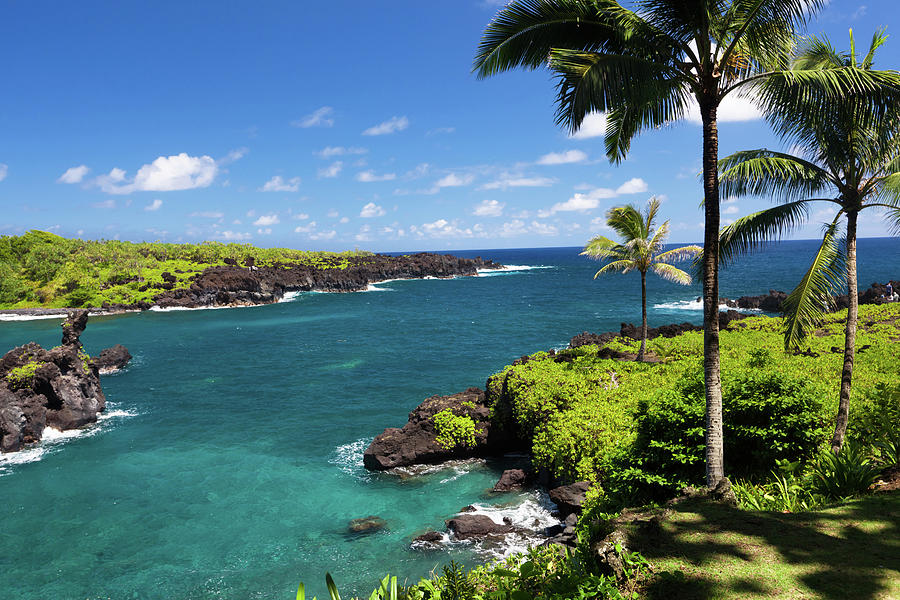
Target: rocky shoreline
(233,285)
(58,388)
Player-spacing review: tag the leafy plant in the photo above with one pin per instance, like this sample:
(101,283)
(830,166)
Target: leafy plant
(842,474)
(878,423)
(386,591)
(454,430)
(23,376)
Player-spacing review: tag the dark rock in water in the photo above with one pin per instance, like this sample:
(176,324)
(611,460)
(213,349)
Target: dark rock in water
(112,359)
(432,537)
(369,524)
(569,498)
(416,442)
(39,388)
(512,479)
(630,330)
(466,527)
(466,509)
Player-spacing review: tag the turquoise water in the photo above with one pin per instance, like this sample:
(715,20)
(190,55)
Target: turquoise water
(230,460)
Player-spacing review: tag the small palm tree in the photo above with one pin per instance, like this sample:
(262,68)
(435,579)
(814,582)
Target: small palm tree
(851,160)
(640,251)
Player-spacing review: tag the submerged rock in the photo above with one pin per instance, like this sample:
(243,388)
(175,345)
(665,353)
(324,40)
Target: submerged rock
(57,388)
(369,524)
(112,359)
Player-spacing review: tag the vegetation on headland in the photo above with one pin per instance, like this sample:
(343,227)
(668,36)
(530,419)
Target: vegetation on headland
(635,430)
(41,269)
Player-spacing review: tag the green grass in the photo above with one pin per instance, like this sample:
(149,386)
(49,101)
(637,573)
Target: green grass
(709,551)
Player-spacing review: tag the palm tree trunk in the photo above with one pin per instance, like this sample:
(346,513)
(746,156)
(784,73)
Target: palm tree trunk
(640,355)
(715,439)
(843,414)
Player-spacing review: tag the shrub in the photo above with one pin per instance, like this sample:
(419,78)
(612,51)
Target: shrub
(845,473)
(23,377)
(454,430)
(878,423)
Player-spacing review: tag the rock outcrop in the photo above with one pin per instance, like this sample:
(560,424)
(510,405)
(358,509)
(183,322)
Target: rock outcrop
(233,285)
(466,527)
(570,498)
(39,388)
(633,331)
(112,359)
(511,480)
(417,443)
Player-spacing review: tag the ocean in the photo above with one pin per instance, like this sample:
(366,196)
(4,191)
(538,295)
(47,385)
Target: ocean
(229,461)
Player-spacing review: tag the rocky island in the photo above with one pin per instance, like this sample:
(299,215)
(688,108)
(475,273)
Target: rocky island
(58,388)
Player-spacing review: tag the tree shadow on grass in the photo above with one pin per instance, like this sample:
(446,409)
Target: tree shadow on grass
(706,550)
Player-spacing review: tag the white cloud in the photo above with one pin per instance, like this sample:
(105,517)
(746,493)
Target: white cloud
(593,125)
(321,117)
(332,170)
(165,174)
(440,130)
(234,236)
(444,228)
(580,202)
(330,151)
(489,208)
(300,216)
(507,181)
(344,220)
(454,180)
(278,184)
(514,228)
(333,214)
(264,231)
(155,205)
(731,209)
(309,228)
(563,158)
(733,109)
(110,203)
(392,125)
(370,176)
(323,235)
(266,220)
(543,228)
(233,156)
(371,210)
(209,215)
(635,185)
(73,174)
(4,171)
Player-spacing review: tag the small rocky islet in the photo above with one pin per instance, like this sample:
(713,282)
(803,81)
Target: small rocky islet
(58,388)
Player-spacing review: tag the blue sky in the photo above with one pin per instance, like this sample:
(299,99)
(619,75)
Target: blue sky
(326,126)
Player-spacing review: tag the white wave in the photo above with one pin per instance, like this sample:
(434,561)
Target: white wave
(290,296)
(373,287)
(58,316)
(697,305)
(53,438)
(459,467)
(512,268)
(530,516)
(349,457)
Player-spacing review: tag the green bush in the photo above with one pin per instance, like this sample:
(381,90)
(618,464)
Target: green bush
(23,377)
(844,474)
(877,423)
(454,430)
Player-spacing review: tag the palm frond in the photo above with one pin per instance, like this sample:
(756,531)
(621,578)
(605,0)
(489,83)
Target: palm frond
(806,305)
(602,247)
(766,172)
(671,273)
(618,265)
(679,254)
(752,232)
(627,222)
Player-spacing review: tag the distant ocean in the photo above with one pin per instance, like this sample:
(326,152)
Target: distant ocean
(230,460)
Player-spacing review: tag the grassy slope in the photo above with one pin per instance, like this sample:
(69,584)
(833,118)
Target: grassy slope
(709,551)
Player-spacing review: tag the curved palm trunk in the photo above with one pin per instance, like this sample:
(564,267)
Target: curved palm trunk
(715,448)
(843,414)
(640,355)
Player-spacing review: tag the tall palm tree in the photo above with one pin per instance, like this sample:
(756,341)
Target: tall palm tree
(645,68)
(852,161)
(640,251)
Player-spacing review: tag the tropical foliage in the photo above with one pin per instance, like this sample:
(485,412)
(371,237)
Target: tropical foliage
(641,251)
(43,269)
(849,159)
(649,67)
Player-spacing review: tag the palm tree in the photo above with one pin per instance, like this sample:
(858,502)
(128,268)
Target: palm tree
(645,68)
(640,251)
(852,161)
